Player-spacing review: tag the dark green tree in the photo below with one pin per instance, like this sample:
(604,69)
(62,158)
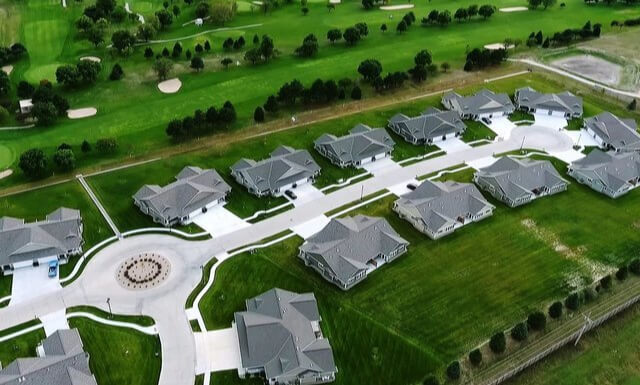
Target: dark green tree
(33,163)
(498,343)
(520,332)
(555,310)
(258,115)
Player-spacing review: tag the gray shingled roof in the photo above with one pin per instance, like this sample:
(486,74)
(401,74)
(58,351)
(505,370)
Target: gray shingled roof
(64,363)
(363,142)
(483,102)
(441,203)
(613,170)
(345,245)
(285,166)
(565,101)
(58,234)
(519,177)
(621,134)
(193,189)
(433,123)
(276,333)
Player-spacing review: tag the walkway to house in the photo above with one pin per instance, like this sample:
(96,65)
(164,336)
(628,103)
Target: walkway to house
(218,221)
(54,321)
(96,201)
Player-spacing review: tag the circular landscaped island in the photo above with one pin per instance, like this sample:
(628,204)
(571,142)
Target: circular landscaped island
(143,271)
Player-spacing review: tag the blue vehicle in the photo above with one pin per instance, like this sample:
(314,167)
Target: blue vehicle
(53,269)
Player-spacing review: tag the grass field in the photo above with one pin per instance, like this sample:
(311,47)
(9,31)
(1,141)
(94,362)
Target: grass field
(140,320)
(118,355)
(607,356)
(125,106)
(22,346)
(444,297)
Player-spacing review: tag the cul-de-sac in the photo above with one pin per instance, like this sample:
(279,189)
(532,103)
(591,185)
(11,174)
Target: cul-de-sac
(299,192)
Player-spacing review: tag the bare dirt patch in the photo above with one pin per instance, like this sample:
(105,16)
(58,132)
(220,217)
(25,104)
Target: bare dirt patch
(396,7)
(592,67)
(170,86)
(593,268)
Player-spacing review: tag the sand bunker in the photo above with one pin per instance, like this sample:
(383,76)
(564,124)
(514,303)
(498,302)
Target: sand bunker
(170,86)
(81,113)
(496,46)
(91,58)
(396,7)
(514,9)
(6,173)
(592,67)
(334,1)
(7,69)
(257,2)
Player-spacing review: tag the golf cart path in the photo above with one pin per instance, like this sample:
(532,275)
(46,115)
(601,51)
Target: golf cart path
(140,17)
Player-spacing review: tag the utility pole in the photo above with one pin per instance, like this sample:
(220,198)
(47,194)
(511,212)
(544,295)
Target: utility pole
(361,192)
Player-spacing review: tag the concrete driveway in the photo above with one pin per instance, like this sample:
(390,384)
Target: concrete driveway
(554,122)
(501,126)
(482,162)
(219,221)
(381,166)
(307,229)
(452,145)
(217,350)
(305,193)
(32,282)
(581,138)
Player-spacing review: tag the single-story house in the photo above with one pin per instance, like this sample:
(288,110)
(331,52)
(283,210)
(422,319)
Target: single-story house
(439,208)
(287,168)
(611,173)
(26,105)
(564,104)
(280,339)
(484,104)
(347,249)
(519,181)
(61,360)
(362,145)
(194,192)
(432,126)
(22,244)
(613,133)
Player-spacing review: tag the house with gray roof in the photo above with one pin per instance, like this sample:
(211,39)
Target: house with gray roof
(194,192)
(613,133)
(348,249)
(362,145)
(61,360)
(440,208)
(280,339)
(564,104)
(432,126)
(519,181)
(285,169)
(484,104)
(611,173)
(22,244)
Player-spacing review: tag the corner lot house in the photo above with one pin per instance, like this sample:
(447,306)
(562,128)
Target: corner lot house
(519,181)
(26,244)
(280,339)
(61,361)
(484,104)
(362,145)
(194,192)
(613,174)
(613,133)
(432,126)
(564,104)
(439,208)
(347,249)
(286,168)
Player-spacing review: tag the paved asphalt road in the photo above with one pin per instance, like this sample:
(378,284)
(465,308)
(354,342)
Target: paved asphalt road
(166,303)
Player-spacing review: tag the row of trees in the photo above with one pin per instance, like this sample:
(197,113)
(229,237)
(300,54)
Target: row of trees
(534,4)
(566,37)
(626,23)
(48,106)
(202,122)
(34,162)
(12,53)
(482,58)
(609,2)
(83,73)
(262,52)
(443,18)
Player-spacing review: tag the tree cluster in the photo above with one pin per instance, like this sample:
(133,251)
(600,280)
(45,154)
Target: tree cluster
(105,9)
(482,58)
(309,47)
(47,105)
(443,18)
(353,35)
(202,122)
(229,44)
(263,52)
(83,73)
(534,4)
(626,23)
(407,20)
(12,53)
(566,37)
(423,66)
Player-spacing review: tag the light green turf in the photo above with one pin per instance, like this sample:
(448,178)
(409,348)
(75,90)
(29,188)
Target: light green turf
(21,346)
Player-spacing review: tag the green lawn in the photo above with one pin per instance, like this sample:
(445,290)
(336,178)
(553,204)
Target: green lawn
(136,113)
(607,356)
(5,286)
(118,355)
(22,346)
(444,297)
(140,320)
(476,131)
(36,204)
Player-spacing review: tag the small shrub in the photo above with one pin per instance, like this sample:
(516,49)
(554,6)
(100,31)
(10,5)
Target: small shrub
(520,332)
(572,302)
(537,321)
(498,343)
(634,266)
(555,310)
(106,145)
(622,273)
(589,294)
(605,282)
(431,380)
(475,357)
(453,370)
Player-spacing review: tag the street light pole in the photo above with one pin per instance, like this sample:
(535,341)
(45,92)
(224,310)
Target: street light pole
(109,304)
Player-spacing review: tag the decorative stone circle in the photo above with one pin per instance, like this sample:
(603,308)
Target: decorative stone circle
(143,271)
